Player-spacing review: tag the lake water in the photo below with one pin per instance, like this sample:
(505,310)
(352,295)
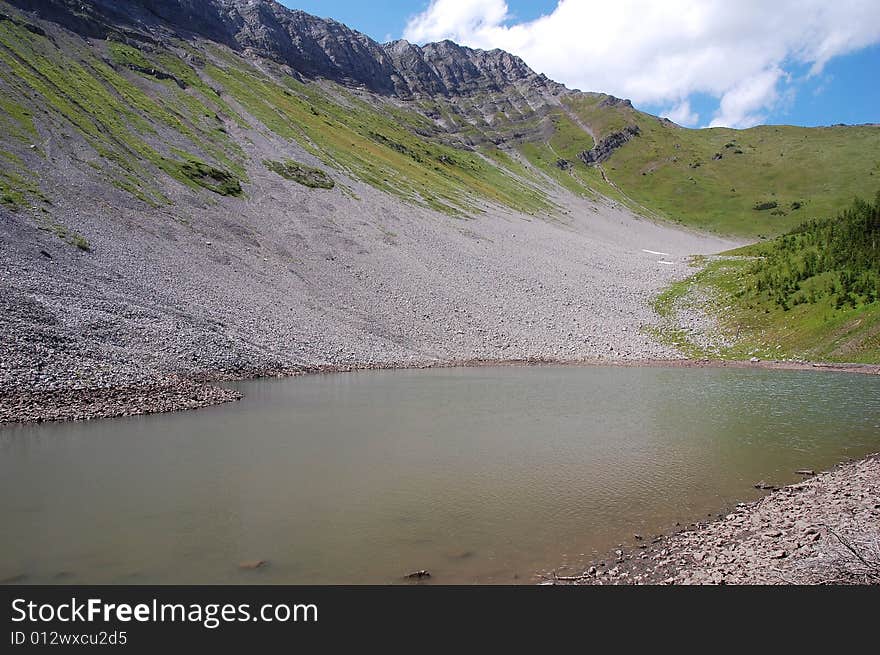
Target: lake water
(484,475)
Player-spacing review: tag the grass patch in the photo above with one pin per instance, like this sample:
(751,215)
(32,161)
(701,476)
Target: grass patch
(313,178)
(17,186)
(198,173)
(125,55)
(543,158)
(66,235)
(11,198)
(15,120)
(377,144)
(80,242)
(761,181)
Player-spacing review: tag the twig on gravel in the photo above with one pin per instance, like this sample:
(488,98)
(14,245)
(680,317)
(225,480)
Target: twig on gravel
(850,548)
(567,578)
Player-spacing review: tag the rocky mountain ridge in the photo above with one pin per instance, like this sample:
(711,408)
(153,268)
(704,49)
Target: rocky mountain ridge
(312,47)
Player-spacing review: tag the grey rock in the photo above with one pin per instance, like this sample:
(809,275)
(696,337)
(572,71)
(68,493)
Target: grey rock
(313,47)
(606,147)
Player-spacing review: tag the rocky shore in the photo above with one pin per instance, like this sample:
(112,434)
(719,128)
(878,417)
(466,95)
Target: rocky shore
(177,393)
(168,395)
(824,530)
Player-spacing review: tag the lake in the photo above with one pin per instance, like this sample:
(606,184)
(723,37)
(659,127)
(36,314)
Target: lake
(480,475)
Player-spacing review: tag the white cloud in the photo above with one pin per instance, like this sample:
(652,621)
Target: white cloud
(662,52)
(742,105)
(451,17)
(682,114)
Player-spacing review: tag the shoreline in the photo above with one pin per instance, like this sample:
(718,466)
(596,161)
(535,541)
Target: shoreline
(822,530)
(180,393)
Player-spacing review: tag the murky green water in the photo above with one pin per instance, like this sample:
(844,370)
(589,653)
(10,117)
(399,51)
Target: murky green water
(478,475)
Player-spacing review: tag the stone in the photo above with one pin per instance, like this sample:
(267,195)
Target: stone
(253,564)
(606,147)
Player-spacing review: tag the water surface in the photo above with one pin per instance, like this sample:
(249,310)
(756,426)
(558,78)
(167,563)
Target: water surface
(478,475)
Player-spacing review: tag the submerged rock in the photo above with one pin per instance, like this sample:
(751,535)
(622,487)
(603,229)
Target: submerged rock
(250,565)
(419,575)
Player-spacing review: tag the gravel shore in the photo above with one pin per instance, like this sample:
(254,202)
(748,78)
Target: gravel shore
(79,404)
(824,530)
(175,393)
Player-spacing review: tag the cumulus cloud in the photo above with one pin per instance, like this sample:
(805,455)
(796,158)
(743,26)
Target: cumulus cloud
(660,53)
(682,114)
(742,104)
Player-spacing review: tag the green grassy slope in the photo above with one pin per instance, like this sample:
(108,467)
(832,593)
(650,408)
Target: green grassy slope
(757,182)
(812,294)
(379,145)
(149,110)
(760,181)
(66,85)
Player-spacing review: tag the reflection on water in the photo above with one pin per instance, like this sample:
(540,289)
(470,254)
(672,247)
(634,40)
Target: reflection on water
(478,475)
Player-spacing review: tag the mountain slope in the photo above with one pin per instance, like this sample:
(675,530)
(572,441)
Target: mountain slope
(175,209)
(153,108)
(756,182)
(440,125)
(202,189)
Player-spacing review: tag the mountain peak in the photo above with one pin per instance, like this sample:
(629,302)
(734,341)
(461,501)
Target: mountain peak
(311,46)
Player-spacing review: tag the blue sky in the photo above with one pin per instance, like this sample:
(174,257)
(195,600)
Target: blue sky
(386,19)
(847,91)
(760,62)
